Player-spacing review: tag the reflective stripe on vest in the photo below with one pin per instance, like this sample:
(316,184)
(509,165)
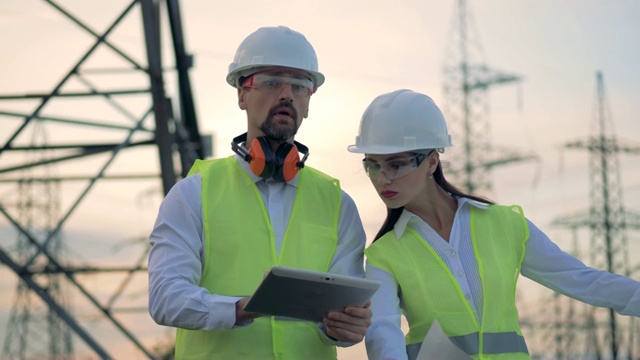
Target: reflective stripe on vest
(493,343)
(240,249)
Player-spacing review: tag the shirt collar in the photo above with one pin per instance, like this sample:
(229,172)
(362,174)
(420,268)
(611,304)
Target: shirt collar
(245,166)
(406,216)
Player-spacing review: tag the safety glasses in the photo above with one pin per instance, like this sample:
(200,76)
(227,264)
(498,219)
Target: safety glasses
(275,83)
(394,168)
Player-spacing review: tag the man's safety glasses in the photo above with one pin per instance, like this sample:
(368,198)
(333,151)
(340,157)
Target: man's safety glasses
(394,168)
(275,84)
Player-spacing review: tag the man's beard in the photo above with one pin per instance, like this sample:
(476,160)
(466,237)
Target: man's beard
(277,132)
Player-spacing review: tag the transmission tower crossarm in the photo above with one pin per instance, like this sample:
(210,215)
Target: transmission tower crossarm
(85,270)
(127,176)
(87,148)
(89,123)
(492,77)
(581,219)
(83,151)
(508,159)
(584,219)
(74,94)
(611,144)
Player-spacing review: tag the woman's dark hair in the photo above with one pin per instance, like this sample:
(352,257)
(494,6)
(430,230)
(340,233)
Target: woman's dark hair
(394,214)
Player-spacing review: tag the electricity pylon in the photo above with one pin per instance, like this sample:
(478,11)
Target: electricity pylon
(609,336)
(34,330)
(467,81)
(563,324)
(140,116)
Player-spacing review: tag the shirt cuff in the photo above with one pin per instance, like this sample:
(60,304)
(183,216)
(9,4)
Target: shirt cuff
(222,313)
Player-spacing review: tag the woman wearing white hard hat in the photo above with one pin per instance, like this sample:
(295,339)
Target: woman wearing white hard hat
(446,256)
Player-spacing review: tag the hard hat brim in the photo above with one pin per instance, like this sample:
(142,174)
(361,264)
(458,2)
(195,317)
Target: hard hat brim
(385,150)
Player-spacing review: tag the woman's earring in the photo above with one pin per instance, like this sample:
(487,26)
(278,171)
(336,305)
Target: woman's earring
(431,176)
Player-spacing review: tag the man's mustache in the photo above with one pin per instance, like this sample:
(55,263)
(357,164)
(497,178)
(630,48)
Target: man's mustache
(285,104)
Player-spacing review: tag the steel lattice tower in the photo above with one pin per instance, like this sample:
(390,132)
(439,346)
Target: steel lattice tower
(467,80)
(605,334)
(38,209)
(562,326)
(141,116)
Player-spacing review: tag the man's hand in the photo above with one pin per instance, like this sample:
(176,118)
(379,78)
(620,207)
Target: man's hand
(241,315)
(349,325)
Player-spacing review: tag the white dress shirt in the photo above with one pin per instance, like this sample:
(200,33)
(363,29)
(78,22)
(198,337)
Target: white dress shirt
(544,262)
(177,254)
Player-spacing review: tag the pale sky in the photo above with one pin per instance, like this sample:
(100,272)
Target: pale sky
(365,48)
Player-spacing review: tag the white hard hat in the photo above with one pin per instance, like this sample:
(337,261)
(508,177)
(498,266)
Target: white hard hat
(401,121)
(274,46)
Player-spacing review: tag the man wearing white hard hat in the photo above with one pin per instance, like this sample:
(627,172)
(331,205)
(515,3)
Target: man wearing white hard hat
(221,228)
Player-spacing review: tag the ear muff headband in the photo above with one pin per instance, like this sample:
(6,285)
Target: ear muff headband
(282,164)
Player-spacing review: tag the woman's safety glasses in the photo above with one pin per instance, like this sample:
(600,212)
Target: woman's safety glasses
(275,83)
(394,168)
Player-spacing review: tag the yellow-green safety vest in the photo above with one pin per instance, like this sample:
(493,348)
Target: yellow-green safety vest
(240,248)
(431,292)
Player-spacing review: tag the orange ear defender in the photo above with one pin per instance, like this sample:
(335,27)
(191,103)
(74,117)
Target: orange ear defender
(282,164)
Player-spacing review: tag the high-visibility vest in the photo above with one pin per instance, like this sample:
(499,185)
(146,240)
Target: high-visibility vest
(240,248)
(431,292)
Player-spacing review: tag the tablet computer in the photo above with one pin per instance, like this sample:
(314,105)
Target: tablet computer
(308,295)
